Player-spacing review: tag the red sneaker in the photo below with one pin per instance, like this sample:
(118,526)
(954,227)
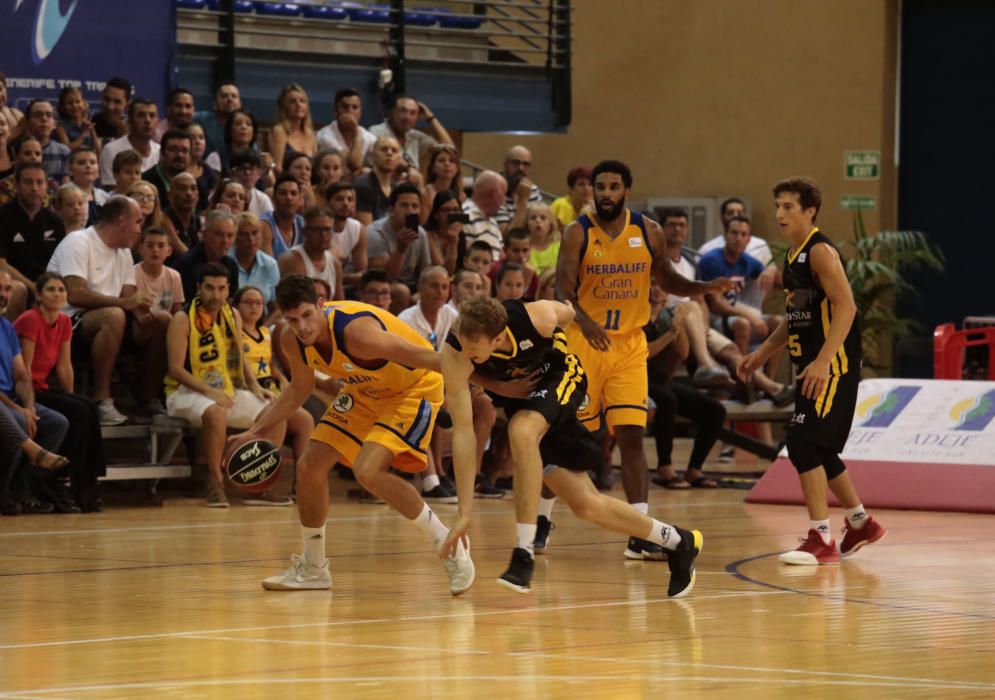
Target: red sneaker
(812,552)
(854,539)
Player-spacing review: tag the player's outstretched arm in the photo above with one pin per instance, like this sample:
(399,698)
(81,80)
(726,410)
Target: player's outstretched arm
(669,279)
(758,358)
(289,400)
(367,340)
(456,371)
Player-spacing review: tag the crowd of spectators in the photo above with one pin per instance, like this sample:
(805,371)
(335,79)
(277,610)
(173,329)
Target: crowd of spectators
(134,240)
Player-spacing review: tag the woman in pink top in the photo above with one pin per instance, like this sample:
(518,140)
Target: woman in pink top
(46,334)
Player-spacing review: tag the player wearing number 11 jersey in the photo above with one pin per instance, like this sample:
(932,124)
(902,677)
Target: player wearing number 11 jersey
(606,265)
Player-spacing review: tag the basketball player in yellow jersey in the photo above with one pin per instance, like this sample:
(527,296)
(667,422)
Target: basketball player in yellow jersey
(383,417)
(607,264)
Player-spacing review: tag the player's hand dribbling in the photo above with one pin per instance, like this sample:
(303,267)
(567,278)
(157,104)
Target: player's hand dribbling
(816,375)
(457,533)
(748,365)
(234,441)
(594,333)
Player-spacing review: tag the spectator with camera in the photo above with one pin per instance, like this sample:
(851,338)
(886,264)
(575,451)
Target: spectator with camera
(522,192)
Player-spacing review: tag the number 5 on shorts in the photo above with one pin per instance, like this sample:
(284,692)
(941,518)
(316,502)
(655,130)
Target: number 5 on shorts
(794,347)
(611,319)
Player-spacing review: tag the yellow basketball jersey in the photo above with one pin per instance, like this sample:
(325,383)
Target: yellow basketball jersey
(613,281)
(373,380)
(259,355)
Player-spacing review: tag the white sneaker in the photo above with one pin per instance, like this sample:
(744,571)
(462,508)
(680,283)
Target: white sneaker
(460,569)
(109,414)
(302,575)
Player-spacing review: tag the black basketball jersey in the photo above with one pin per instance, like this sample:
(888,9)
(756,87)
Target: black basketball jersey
(530,350)
(809,312)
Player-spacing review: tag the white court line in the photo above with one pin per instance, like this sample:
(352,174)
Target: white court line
(389,620)
(295,521)
(912,682)
(436,679)
(350,645)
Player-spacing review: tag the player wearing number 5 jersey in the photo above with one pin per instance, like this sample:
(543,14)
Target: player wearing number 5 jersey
(823,339)
(606,266)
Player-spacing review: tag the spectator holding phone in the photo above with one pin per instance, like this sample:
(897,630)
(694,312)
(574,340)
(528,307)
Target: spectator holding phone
(444,227)
(399,245)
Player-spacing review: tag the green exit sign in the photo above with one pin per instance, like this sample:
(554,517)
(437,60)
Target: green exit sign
(857,201)
(862,165)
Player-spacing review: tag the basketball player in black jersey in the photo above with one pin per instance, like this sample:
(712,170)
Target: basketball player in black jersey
(498,342)
(823,338)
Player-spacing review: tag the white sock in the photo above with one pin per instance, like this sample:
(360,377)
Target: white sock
(822,527)
(526,536)
(429,482)
(664,535)
(856,516)
(429,523)
(314,544)
(643,508)
(546,507)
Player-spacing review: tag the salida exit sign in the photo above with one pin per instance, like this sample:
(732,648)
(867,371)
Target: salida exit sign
(862,165)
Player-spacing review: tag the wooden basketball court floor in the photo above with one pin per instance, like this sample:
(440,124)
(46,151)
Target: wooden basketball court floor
(166,603)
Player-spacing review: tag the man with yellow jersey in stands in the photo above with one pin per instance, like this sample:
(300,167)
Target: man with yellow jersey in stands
(383,417)
(607,263)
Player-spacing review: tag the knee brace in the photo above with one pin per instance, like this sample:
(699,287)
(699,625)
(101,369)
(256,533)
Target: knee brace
(805,455)
(832,463)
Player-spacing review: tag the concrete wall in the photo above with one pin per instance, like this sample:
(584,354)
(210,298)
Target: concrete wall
(727,96)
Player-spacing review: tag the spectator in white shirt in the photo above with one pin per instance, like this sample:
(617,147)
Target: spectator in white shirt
(143,116)
(104,303)
(431,316)
(345,135)
(758,247)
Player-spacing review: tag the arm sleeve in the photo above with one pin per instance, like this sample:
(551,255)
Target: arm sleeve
(26,325)
(70,259)
(376,244)
(177,284)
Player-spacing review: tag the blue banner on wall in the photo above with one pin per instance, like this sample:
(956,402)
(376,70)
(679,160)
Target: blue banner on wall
(50,44)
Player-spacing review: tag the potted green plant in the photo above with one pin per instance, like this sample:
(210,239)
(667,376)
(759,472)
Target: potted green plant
(877,266)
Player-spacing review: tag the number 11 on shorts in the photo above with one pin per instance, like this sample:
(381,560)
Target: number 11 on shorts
(611,319)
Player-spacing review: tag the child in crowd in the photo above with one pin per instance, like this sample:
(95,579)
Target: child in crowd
(152,275)
(70,203)
(327,169)
(479,258)
(545,238)
(517,248)
(75,128)
(510,282)
(257,348)
(127,169)
(84,169)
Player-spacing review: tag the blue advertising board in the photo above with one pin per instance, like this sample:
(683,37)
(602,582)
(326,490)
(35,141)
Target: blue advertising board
(51,44)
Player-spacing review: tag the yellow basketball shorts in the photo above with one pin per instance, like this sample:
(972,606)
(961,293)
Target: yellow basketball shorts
(403,423)
(616,379)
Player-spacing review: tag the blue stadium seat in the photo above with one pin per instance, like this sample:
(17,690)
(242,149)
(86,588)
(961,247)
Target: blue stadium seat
(278,9)
(377,14)
(329,12)
(191,4)
(419,18)
(241,6)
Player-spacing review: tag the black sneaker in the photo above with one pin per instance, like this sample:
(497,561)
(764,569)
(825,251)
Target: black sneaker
(439,494)
(518,577)
(681,563)
(485,489)
(58,494)
(543,527)
(33,506)
(641,549)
